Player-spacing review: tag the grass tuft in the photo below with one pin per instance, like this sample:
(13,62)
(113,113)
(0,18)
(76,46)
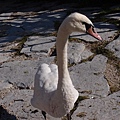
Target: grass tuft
(20,46)
(99,48)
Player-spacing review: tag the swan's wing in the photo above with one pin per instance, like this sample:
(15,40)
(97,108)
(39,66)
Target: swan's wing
(46,78)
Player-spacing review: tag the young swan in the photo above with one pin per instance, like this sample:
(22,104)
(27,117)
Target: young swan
(54,92)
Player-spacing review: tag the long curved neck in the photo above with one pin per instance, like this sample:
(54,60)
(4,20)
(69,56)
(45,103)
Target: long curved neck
(61,46)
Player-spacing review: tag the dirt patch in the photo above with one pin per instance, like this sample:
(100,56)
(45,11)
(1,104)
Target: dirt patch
(112,77)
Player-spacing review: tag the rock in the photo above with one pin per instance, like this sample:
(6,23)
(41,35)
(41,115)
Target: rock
(77,52)
(43,23)
(4,57)
(18,104)
(88,77)
(26,50)
(19,99)
(6,39)
(17,77)
(107,108)
(15,31)
(114,46)
(38,45)
(21,73)
(113,16)
(90,12)
(10,32)
(5,85)
(74,52)
(18,24)
(5,16)
(105,30)
(86,54)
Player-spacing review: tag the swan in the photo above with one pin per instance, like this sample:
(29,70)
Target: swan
(54,92)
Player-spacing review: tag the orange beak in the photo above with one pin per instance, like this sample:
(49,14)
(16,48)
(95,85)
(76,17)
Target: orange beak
(91,31)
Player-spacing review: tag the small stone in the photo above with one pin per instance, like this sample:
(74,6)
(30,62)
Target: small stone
(114,46)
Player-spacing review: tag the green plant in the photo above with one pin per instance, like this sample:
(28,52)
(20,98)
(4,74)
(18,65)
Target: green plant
(20,45)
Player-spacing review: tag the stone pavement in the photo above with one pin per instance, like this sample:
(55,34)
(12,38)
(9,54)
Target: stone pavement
(88,69)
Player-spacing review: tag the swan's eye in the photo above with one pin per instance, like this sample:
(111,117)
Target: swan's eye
(93,29)
(82,23)
(86,25)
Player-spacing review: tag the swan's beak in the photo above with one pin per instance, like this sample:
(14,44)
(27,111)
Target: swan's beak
(91,31)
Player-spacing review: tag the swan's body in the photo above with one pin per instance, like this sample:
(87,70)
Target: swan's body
(54,92)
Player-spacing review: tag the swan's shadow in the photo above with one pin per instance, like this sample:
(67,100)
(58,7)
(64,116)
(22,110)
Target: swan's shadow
(4,115)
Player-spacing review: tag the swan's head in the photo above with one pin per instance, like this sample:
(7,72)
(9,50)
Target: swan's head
(77,22)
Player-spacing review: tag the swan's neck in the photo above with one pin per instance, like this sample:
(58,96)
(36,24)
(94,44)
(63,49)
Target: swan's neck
(62,61)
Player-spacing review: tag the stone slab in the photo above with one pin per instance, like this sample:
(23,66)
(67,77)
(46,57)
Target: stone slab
(6,39)
(5,16)
(21,73)
(113,16)
(4,57)
(114,46)
(18,105)
(107,108)
(4,85)
(77,52)
(74,52)
(38,45)
(88,78)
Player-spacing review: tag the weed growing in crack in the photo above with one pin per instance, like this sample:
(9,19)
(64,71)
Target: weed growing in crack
(20,45)
(114,89)
(99,48)
(80,98)
(74,40)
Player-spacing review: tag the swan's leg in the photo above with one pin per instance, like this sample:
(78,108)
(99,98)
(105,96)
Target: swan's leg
(68,116)
(44,114)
